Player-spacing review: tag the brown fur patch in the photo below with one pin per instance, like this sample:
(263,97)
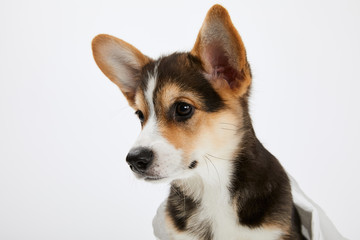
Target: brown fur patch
(173,93)
(218,32)
(214,78)
(208,130)
(142,105)
(110,53)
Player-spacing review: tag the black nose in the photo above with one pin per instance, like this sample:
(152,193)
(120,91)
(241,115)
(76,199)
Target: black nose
(140,159)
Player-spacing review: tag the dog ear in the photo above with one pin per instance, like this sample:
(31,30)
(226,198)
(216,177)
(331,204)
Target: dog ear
(120,62)
(222,52)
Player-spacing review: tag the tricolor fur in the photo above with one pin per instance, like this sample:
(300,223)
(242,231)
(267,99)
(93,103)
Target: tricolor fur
(197,134)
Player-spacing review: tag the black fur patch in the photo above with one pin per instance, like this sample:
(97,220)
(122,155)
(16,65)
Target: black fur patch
(186,72)
(259,185)
(193,164)
(180,208)
(262,186)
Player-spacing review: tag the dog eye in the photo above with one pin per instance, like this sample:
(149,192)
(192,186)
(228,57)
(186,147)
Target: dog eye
(140,115)
(183,111)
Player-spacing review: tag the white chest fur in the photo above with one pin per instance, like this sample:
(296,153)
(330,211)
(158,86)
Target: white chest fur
(216,209)
(223,222)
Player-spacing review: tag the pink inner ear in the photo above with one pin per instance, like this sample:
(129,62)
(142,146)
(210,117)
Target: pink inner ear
(220,65)
(228,73)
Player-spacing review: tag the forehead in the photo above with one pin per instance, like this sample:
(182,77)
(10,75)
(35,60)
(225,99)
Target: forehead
(178,74)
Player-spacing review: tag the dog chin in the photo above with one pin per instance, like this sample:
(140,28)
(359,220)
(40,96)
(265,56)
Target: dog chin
(153,178)
(157,179)
(162,179)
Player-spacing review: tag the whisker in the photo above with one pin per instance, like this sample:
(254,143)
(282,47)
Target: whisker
(217,157)
(235,130)
(229,124)
(215,170)
(189,188)
(207,165)
(184,203)
(181,195)
(176,191)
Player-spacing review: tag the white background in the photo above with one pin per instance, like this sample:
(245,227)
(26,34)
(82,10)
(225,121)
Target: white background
(65,129)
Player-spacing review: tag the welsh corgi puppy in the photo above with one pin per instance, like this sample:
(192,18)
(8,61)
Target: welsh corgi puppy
(197,134)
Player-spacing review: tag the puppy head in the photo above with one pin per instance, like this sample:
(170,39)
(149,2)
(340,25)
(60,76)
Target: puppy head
(188,103)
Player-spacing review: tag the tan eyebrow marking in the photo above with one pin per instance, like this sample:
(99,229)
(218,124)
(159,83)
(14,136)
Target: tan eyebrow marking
(142,105)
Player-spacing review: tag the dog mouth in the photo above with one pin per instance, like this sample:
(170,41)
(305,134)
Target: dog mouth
(149,177)
(153,178)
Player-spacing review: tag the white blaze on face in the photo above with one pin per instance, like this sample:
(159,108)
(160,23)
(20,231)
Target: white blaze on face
(167,159)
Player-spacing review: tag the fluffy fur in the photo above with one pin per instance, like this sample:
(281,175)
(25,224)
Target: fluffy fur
(197,134)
